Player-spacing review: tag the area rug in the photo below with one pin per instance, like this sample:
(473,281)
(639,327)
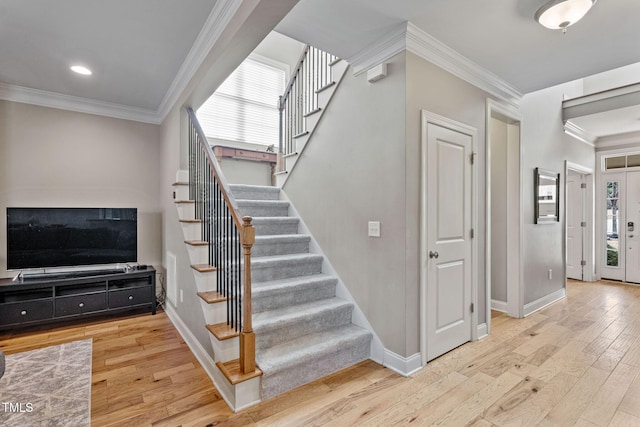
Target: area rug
(50,386)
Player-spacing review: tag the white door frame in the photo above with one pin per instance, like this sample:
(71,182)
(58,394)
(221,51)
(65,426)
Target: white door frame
(431,118)
(588,273)
(515,294)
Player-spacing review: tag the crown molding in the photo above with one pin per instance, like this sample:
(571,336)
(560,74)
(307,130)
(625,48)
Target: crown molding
(75,103)
(220,16)
(580,134)
(629,138)
(433,50)
(412,39)
(384,49)
(215,24)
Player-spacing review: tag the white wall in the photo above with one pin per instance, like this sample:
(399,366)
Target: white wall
(545,145)
(51,157)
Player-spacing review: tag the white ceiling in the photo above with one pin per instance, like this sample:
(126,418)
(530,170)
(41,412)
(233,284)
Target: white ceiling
(499,35)
(136,47)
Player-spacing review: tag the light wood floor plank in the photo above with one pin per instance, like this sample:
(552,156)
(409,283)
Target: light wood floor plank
(576,362)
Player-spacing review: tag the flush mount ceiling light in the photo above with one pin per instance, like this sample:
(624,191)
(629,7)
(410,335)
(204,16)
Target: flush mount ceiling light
(560,14)
(81,70)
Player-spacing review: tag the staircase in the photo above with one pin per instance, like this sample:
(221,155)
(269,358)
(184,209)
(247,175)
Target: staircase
(303,331)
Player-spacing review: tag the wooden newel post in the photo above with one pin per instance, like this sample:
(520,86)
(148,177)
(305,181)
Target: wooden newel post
(247,337)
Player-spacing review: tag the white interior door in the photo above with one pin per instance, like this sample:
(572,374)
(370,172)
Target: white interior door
(575,231)
(448,239)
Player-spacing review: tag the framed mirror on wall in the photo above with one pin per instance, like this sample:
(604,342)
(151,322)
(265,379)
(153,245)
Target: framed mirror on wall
(546,189)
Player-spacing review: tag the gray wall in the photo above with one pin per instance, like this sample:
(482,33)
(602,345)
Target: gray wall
(545,145)
(362,164)
(433,89)
(51,157)
(352,172)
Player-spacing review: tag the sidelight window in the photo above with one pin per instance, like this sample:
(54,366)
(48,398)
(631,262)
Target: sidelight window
(613,223)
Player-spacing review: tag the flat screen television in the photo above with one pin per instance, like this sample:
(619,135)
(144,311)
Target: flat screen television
(69,237)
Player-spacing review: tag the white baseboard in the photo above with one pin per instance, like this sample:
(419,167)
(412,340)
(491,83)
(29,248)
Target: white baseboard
(499,305)
(483,331)
(378,352)
(203,357)
(541,303)
(405,366)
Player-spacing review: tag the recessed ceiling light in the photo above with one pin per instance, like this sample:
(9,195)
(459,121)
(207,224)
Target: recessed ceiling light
(81,70)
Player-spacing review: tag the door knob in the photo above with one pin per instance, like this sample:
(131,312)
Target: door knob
(433,254)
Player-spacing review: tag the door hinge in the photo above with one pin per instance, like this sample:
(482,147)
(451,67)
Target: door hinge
(472,308)
(583,185)
(583,263)
(473,158)
(583,224)
(472,233)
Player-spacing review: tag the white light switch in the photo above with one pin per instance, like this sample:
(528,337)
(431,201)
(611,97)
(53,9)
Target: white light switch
(374,228)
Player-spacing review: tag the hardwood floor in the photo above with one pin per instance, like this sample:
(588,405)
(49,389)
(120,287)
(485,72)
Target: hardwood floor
(576,362)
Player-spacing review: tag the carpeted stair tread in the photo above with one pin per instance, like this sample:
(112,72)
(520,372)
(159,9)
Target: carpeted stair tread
(244,203)
(278,238)
(282,244)
(310,347)
(285,266)
(280,318)
(275,225)
(284,285)
(254,192)
(258,208)
(275,294)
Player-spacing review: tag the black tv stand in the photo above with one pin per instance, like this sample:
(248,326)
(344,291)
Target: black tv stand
(68,274)
(47,299)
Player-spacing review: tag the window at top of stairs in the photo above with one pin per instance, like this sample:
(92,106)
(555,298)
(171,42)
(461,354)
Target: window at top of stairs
(245,106)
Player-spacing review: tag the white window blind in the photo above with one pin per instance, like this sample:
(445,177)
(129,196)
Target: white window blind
(245,106)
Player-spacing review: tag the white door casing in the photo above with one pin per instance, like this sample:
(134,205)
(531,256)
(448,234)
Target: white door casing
(632,257)
(574,218)
(448,287)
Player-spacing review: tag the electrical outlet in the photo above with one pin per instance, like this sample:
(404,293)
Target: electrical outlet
(374,229)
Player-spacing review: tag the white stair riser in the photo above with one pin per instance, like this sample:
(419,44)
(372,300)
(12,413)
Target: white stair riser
(225,350)
(186,210)
(205,282)
(191,230)
(214,313)
(181,192)
(198,254)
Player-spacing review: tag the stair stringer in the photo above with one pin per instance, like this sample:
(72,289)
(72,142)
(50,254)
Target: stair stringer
(238,396)
(377,350)
(338,70)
